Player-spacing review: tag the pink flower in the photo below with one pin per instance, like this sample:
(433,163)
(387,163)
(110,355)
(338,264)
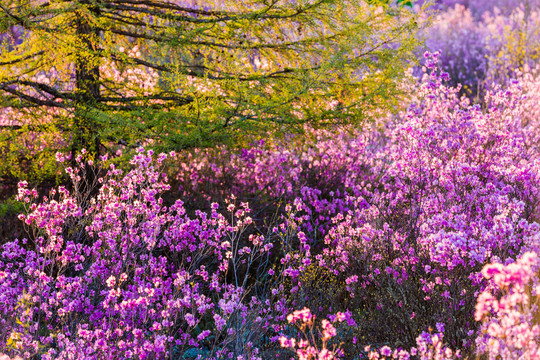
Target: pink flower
(288,343)
(328,330)
(386,351)
(325,354)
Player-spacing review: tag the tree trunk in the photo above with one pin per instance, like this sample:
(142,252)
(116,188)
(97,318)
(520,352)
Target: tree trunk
(86,134)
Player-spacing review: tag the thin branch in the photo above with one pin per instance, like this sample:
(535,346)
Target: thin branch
(128,20)
(171,69)
(39,86)
(217,16)
(182,100)
(169,6)
(15,61)
(132,107)
(31,99)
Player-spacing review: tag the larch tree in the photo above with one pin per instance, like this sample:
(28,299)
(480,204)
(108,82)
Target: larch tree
(173,74)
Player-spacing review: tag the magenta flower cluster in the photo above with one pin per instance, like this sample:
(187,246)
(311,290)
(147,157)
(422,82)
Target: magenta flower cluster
(121,276)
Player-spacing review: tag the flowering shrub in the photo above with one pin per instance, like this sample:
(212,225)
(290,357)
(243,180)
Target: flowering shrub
(480,7)
(436,204)
(312,176)
(119,275)
(407,216)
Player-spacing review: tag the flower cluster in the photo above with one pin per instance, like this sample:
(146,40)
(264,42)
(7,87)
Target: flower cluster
(509,310)
(428,347)
(303,347)
(121,275)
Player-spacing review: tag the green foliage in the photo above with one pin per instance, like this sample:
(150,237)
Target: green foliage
(174,76)
(387,2)
(11,207)
(30,155)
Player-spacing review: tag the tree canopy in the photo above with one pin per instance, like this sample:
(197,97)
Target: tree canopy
(178,74)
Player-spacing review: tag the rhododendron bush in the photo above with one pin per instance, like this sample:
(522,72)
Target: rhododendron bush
(120,275)
(381,236)
(417,209)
